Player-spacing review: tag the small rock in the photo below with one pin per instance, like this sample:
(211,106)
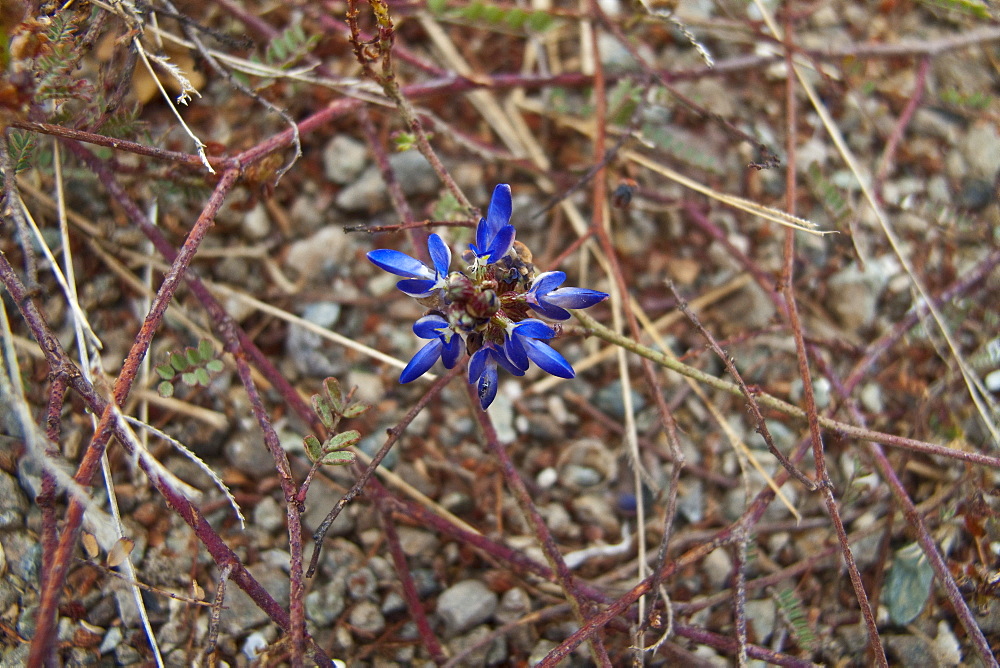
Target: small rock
(854,293)
(268,515)
(717,567)
(514,604)
(586,465)
(248,455)
(320,256)
(15,505)
(761,613)
(465,604)
(343,159)
(324,604)
(361,583)
(307,349)
(393,604)
(488,654)
(367,618)
(256,223)
(909,651)
(976,194)
(417,542)
(371,444)
(368,193)
(609,400)
(254,645)
(23,552)
(241,614)
(980,148)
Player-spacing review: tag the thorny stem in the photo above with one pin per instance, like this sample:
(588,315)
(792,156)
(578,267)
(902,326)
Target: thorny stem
(394,434)
(297,614)
(541,530)
(410,594)
(42,645)
(844,429)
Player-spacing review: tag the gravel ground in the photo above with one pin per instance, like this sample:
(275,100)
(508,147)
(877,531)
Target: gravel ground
(440,560)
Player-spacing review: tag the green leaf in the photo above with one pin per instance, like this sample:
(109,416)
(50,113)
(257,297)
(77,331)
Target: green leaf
(516,17)
(165,371)
(340,458)
(205,349)
(215,366)
(539,21)
(201,376)
(322,407)
(355,410)
(166,389)
(189,378)
(437,6)
(178,361)
(908,584)
(342,440)
(334,393)
(314,449)
(192,356)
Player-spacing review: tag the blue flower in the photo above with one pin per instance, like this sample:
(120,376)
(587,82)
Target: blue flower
(495,234)
(544,298)
(521,345)
(483,372)
(445,343)
(422,280)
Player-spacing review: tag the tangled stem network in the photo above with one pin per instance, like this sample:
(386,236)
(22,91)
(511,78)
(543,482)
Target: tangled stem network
(488,306)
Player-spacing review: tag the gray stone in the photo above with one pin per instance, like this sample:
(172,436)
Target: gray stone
(854,293)
(514,604)
(372,443)
(976,194)
(480,652)
(717,566)
(241,613)
(343,159)
(981,150)
(761,613)
(320,256)
(393,604)
(361,583)
(248,454)
(24,554)
(268,515)
(417,542)
(324,604)
(311,354)
(15,505)
(369,193)
(609,400)
(367,618)
(256,223)
(910,651)
(465,604)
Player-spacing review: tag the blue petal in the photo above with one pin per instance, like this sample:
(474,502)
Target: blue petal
(548,359)
(547,282)
(535,329)
(417,287)
(549,311)
(477,365)
(501,243)
(515,352)
(429,326)
(451,352)
(575,297)
(440,254)
(400,264)
(500,357)
(500,208)
(487,387)
(421,362)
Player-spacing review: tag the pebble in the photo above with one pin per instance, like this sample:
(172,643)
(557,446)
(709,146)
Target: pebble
(369,194)
(248,455)
(514,604)
(854,294)
(241,614)
(976,194)
(594,510)
(308,350)
(821,393)
(393,604)
(254,645)
(256,223)
(361,583)
(320,256)
(15,505)
(373,443)
(488,654)
(609,400)
(343,159)
(980,148)
(717,567)
(325,603)
(366,618)
(416,542)
(761,613)
(268,515)
(586,465)
(23,553)
(465,604)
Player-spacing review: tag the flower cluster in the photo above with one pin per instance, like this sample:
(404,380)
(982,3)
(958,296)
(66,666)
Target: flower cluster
(488,306)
